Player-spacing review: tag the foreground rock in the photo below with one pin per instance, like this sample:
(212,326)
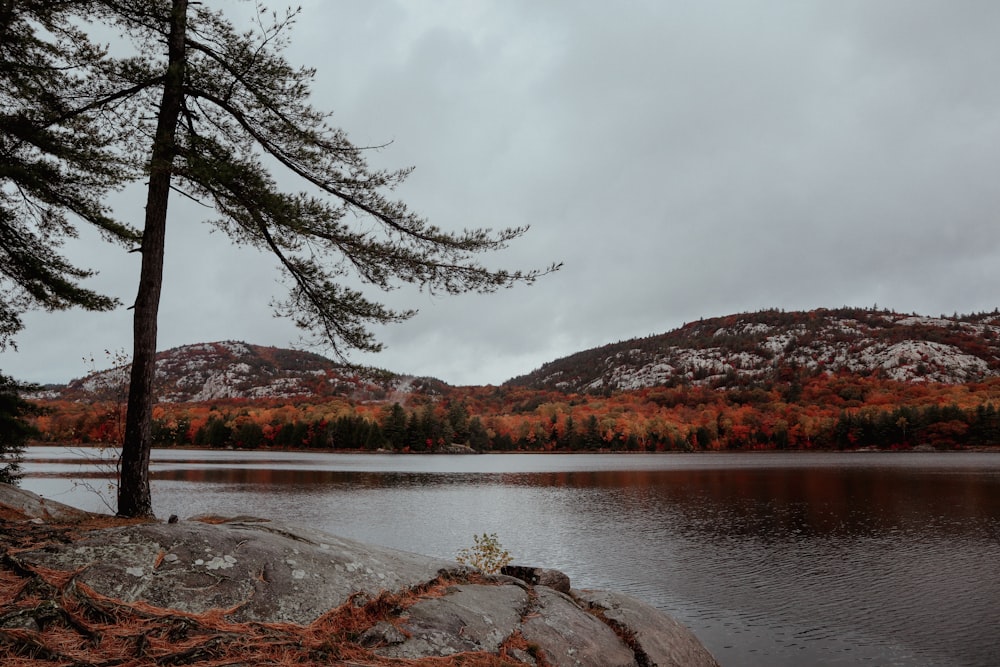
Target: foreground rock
(656,638)
(264,571)
(33,506)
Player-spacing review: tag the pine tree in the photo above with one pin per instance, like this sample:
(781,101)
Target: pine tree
(56,159)
(394,426)
(479,437)
(14,428)
(458,419)
(224,105)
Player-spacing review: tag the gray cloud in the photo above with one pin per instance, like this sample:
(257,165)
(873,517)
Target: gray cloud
(684,159)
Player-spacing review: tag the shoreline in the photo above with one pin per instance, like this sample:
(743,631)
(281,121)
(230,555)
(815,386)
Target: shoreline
(919,449)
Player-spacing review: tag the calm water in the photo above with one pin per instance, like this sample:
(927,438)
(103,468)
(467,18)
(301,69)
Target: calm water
(772,559)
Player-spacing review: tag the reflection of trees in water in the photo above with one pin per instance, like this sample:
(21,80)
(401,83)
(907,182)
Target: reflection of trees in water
(773,504)
(780,504)
(283,477)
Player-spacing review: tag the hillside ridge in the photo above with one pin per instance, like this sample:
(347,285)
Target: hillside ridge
(732,351)
(238,370)
(770,345)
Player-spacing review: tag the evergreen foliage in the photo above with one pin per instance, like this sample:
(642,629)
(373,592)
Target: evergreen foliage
(14,428)
(56,159)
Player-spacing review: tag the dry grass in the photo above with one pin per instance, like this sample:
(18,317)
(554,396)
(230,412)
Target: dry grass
(49,618)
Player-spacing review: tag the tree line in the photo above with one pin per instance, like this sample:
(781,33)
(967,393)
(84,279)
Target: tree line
(835,412)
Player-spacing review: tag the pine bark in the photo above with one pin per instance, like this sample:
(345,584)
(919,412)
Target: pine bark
(134,498)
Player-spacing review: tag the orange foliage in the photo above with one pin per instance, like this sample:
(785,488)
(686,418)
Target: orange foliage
(818,412)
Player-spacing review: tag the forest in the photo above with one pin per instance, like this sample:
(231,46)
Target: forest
(824,411)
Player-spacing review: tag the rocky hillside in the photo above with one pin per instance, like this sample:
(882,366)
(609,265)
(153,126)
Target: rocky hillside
(750,349)
(210,371)
(757,348)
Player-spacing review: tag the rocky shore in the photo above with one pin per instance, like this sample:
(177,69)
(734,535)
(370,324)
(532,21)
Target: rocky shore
(84,589)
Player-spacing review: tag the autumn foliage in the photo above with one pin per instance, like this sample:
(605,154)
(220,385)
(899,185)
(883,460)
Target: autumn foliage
(823,411)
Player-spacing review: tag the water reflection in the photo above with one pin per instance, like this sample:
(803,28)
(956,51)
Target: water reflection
(765,503)
(773,560)
(782,503)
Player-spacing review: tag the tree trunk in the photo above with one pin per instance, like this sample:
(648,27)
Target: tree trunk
(134,499)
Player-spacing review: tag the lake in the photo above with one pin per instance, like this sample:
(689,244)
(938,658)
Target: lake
(772,559)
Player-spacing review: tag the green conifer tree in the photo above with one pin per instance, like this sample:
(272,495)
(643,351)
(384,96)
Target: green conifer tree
(57,160)
(14,428)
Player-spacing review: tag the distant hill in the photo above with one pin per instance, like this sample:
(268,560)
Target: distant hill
(771,345)
(230,369)
(748,349)
(822,379)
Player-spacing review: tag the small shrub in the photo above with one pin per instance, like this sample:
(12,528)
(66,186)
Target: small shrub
(487,555)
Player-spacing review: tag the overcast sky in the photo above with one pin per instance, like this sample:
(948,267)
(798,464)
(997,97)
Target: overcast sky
(684,159)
